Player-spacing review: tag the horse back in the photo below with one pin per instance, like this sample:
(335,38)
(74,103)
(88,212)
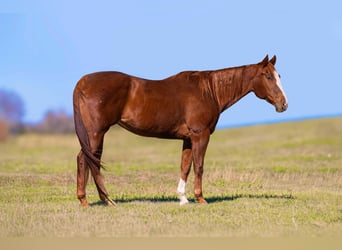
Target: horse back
(159,108)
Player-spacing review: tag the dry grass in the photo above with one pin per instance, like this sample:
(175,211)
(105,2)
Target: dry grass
(266,181)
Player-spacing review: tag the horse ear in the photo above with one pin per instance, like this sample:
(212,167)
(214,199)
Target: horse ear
(273,60)
(264,62)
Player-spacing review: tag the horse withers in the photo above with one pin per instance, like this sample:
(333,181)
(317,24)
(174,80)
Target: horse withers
(185,106)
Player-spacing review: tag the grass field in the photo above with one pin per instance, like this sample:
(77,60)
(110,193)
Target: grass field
(263,181)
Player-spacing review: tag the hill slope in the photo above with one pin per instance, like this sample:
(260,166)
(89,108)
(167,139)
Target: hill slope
(268,180)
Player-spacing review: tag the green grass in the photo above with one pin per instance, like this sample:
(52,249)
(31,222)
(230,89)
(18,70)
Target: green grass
(264,181)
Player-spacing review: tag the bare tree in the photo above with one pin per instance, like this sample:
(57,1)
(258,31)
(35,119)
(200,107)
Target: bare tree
(11,112)
(4,130)
(56,122)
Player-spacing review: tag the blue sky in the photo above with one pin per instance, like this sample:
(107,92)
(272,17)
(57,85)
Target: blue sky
(46,46)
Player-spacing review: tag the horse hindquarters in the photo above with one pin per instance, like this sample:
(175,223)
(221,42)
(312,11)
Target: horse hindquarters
(89,157)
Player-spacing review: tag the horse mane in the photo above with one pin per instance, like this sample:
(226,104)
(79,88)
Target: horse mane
(222,84)
(219,85)
(202,78)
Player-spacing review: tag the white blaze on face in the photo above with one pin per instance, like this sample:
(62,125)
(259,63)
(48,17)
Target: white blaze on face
(276,76)
(181,192)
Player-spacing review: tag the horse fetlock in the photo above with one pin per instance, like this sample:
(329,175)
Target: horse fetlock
(198,192)
(199,196)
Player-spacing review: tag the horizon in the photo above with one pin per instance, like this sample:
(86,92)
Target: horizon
(279,121)
(241,125)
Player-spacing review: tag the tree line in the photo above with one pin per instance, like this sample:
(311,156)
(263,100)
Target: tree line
(12,110)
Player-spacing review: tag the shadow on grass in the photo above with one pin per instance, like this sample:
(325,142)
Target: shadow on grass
(137,198)
(209,198)
(213,199)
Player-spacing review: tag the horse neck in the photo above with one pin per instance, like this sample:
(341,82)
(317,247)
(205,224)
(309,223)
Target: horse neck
(230,85)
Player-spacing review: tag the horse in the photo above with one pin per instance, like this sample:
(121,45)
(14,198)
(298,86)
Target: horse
(185,106)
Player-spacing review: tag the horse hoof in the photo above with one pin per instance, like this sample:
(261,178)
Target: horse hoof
(183,199)
(110,203)
(202,201)
(183,203)
(84,204)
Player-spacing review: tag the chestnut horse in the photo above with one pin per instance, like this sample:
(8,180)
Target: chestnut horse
(185,106)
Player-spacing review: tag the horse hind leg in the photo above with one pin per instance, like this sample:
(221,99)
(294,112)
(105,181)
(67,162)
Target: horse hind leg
(84,164)
(96,142)
(82,178)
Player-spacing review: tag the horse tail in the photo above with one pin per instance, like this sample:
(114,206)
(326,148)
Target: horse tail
(92,161)
(82,134)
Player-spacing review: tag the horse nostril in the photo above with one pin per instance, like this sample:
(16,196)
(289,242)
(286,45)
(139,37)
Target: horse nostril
(285,105)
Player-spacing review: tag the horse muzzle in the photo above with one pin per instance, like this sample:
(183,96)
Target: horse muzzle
(282,107)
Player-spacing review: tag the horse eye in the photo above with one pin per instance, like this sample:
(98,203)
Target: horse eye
(269,77)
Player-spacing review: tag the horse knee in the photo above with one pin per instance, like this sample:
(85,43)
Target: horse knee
(199,170)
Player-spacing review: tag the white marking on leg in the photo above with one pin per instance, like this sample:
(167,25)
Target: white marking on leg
(181,192)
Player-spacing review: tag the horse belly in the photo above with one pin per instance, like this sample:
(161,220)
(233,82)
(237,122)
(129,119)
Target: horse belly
(154,109)
(145,122)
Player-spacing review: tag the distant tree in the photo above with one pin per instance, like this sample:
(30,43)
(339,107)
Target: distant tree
(4,130)
(11,111)
(56,122)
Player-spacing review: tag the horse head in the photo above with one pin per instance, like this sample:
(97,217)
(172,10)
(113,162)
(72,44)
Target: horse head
(266,84)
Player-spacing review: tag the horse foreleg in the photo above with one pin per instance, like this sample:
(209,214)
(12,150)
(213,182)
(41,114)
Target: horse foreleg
(199,146)
(185,169)
(82,179)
